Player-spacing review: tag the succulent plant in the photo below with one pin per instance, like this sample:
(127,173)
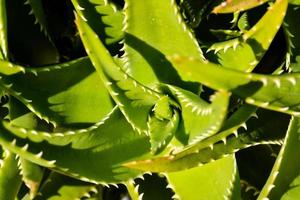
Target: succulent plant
(160,99)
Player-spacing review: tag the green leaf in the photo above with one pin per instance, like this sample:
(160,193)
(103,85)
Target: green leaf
(150,36)
(194,11)
(20,115)
(62,94)
(274,92)
(218,180)
(162,108)
(294,2)
(223,34)
(254,43)
(243,22)
(37,10)
(96,146)
(32,175)
(161,131)
(10,179)
(240,116)
(287,164)
(292,33)
(59,187)
(134,99)
(3,31)
(8,68)
(218,146)
(201,119)
(293,192)
(133,190)
(230,6)
(103,17)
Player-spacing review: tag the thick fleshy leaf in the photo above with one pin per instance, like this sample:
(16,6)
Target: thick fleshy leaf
(37,10)
(10,179)
(275,92)
(294,190)
(201,119)
(161,131)
(103,17)
(292,33)
(8,68)
(133,191)
(239,117)
(32,175)
(287,165)
(218,146)
(295,2)
(230,6)
(3,30)
(134,99)
(217,180)
(62,94)
(254,43)
(95,147)
(59,187)
(194,10)
(150,36)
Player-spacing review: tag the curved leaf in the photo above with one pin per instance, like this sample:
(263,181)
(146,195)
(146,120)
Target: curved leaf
(97,146)
(293,192)
(254,43)
(32,175)
(287,165)
(134,100)
(161,131)
(103,17)
(10,179)
(37,10)
(194,10)
(218,146)
(3,31)
(59,93)
(275,92)
(150,36)
(59,187)
(218,180)
(230,6)
(201,119)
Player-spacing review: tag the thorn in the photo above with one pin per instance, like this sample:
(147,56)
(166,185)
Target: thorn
(244,125)
(284,109)
(254,115)
(292,80)
(235,44)
(25,147)
(14,142)
(264,81)
(235,133)
(39,155)
(79,7)
(224,140)
(52,162)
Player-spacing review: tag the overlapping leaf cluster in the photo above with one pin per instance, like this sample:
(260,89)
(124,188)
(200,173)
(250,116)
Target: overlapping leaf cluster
(201,95)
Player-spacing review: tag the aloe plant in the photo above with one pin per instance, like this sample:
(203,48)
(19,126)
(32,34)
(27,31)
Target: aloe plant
(187,99)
